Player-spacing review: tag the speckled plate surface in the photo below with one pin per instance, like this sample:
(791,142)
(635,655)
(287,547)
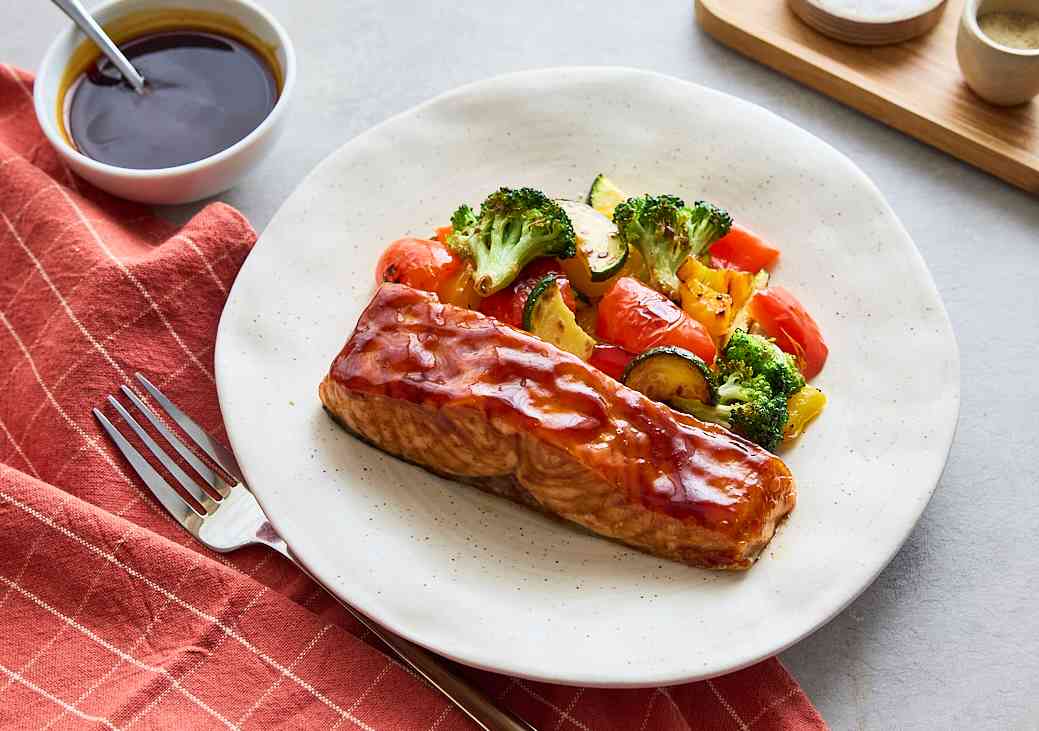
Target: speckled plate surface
(494,585)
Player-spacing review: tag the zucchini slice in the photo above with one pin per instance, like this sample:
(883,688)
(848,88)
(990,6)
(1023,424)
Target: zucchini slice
(598,245)
(604,195)
(547,316)
(668,372)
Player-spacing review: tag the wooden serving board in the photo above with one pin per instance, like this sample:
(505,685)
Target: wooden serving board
(915,87)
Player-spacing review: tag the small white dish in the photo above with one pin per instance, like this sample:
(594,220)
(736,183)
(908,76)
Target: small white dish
(497,586)
(183,183)
(877,11)
(870,22)
(999,74)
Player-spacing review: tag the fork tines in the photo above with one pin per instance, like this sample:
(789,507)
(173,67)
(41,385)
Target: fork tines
(183,510)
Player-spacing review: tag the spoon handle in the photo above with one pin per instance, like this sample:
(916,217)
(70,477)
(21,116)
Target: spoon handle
(86,23)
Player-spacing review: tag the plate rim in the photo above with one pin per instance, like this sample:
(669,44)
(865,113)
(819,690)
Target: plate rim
(580,73)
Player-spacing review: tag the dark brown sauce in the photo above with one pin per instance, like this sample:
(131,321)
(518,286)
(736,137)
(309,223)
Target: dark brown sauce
(205,93)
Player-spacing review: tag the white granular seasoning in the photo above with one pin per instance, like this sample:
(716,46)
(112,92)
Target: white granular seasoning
(1017,30)
(877,11)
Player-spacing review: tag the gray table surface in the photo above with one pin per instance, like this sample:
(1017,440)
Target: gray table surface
(948,636)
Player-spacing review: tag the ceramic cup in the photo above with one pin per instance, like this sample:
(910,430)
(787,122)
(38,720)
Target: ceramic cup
(183,183)
(999,74)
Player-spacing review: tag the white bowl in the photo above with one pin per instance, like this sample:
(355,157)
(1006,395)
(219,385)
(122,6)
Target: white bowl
(870,23)
(183,183)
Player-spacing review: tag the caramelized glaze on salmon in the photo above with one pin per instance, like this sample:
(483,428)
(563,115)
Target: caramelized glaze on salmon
(471,398)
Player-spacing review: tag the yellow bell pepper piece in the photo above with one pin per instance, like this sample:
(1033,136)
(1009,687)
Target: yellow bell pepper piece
(738,285)
(709,307)
(803,406)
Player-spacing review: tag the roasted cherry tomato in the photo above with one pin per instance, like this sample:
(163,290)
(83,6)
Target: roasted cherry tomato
(637,318)
(419,263)
(429,265)
(507,304)
(783,318)
(611,359)
(740,249)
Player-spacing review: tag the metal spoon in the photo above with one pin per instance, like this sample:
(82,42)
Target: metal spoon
(79,15)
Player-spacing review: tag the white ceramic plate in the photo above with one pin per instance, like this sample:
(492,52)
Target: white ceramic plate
(494,585)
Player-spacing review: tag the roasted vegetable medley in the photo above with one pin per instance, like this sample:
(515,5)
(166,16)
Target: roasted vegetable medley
(673,299)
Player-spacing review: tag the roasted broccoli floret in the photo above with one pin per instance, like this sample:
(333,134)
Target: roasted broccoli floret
(514,227)
(762,357)
(759,421)
(755,380)
(741,384)
(745,404)
(667,232)
(463,219)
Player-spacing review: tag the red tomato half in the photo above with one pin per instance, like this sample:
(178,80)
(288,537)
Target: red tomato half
(507,304)
(740,249)
(782,317)
(610,359)
(638,318)
(419,263)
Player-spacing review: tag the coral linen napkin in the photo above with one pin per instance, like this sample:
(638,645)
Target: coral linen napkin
(111,615)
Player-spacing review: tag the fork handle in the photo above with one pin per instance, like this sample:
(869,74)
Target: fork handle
(468,699)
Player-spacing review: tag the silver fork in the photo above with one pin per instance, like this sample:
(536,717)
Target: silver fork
(236,520)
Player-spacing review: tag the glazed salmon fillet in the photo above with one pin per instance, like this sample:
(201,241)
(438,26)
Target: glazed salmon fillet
(472,399)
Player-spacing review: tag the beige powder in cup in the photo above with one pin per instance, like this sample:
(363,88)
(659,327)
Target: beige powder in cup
(1016,30)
